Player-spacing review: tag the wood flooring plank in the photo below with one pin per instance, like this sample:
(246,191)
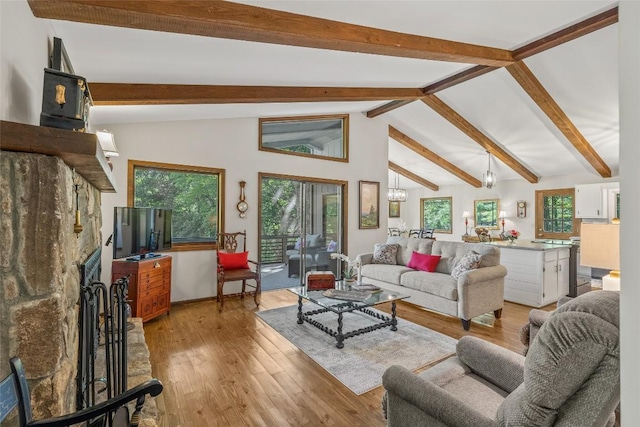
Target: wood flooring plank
(232,369)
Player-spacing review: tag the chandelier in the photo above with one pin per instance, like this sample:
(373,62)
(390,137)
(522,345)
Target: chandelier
(397,194)
(489,178)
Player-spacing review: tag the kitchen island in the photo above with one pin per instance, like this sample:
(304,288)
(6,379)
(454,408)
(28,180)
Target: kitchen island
(537,273)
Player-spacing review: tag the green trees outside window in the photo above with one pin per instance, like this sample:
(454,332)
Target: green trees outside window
(557,214)
(192,193)
(486,213)
(435,213)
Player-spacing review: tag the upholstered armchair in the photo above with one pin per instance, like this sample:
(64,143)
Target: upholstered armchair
(537,317)
(570,376)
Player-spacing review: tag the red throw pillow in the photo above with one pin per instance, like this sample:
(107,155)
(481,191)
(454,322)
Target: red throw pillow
(234,261)
(424,262)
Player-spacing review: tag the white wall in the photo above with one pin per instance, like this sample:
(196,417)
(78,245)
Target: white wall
(232,144)
(24,44)
(24,49)
(508,192)
(629,70)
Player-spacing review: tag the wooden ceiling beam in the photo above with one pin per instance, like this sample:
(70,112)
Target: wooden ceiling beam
(388,107)
(528,81)
(474,133)
(412,176)
(564,35)
(572,32)
(223,19)
(450,81)
(461,77)
(420,149)
(164,94)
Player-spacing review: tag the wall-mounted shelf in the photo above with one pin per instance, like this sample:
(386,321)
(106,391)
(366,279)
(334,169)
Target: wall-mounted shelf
(78,150)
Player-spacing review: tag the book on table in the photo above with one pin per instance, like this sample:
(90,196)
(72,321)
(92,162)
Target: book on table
(368,287)
(346,295)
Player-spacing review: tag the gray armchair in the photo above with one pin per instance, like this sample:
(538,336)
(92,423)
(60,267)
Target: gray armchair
(570,377)
(536,318)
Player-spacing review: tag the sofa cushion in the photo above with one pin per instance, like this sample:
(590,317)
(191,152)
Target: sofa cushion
(409,245)
(423,262)
(442,285)
(470,261)
(313,240)
(490,254)
(385,253)
(384,272)
(451,252)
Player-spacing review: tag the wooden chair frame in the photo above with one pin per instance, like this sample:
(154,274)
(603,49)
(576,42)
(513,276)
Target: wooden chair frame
(228,242)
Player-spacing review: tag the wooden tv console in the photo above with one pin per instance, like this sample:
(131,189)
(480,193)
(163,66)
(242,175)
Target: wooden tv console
(149,285)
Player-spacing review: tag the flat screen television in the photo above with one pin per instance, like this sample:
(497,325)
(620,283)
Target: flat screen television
(140,232)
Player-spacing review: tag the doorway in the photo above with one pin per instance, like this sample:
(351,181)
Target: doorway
(301,222)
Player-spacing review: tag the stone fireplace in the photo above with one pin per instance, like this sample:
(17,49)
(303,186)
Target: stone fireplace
(39,260)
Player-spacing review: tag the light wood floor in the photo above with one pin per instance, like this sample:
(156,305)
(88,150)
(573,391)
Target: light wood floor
(231,369)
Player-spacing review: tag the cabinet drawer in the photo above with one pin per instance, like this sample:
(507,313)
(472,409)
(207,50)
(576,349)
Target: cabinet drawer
(152,292)
(563,253)
(153,288)
(154,264)
(152,273)
(550,256)
(150,282)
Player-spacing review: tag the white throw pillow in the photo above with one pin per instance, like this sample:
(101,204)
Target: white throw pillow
(385,254)
(470,261)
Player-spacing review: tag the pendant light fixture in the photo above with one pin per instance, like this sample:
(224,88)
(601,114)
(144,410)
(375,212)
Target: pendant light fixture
(397,194)
(489,178)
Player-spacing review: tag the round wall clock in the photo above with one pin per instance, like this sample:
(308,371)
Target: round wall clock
(242,205)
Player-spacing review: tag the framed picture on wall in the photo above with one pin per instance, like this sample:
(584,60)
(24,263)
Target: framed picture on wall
(394,209)
(369,205)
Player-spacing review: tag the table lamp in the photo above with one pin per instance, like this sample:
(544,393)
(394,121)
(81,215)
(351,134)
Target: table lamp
(502,216)
(600,248)
(466,216)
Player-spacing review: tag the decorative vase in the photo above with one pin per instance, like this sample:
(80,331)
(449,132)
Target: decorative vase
(347,282)
(512,240)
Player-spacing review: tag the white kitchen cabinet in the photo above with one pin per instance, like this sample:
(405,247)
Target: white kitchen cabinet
(590,201)
(535,277)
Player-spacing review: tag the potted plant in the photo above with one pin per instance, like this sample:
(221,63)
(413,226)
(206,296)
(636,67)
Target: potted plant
(349,267)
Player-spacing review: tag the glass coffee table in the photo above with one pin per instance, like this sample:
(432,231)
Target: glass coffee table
(340,307)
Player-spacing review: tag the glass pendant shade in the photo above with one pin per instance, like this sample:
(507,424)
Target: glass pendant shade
(397,194)
(489,178)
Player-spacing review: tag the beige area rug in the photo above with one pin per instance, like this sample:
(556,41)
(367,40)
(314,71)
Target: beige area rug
(364,358)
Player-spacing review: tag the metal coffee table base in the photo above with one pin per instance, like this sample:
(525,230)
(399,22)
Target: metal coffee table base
(348,307)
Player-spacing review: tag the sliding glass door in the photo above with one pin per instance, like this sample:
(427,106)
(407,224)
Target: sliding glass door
(301,224)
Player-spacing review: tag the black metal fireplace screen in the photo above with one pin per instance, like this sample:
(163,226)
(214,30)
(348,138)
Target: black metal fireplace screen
(102,327)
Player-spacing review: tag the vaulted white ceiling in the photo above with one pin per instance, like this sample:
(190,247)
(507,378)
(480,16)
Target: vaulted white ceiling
(581,75)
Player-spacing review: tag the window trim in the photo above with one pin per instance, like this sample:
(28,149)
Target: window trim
(540,194)
(191,246)
(437,230)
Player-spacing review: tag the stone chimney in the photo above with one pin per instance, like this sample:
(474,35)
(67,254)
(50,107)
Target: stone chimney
(40,280)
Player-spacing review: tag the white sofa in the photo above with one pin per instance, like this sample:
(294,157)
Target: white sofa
(473,293)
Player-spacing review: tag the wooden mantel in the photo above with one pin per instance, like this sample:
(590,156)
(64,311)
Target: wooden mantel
(78,150)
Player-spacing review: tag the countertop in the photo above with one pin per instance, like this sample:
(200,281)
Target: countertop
(528,245)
